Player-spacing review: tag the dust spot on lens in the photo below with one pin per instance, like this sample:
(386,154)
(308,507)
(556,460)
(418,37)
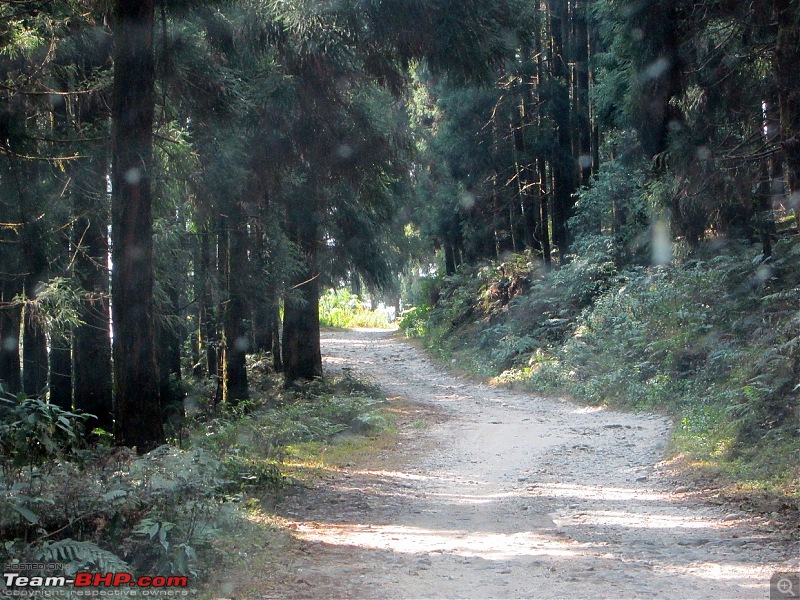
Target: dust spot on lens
(133,176)
(241,344)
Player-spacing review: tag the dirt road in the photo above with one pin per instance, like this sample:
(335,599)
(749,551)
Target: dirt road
(506,495)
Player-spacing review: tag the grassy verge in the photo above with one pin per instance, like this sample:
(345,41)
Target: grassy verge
(711,341)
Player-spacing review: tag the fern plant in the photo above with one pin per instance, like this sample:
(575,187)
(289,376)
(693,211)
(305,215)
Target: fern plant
(80,556)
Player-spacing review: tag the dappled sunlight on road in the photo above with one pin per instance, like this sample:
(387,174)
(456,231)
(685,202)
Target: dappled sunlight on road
(595,492)
(416,540)
(647,520)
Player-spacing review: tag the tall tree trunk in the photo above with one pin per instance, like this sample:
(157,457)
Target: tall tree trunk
(136,384)
(61,350)
(61,371)
(202,301)
(261,311)
(449,258)
(34,350)
(215,348)
(581,100)
(787,58)
(92,338)
(261,303)
(10,320)
(302,356)
(594,49)
(168,349)
(34,332)
(658,69)
(525,164)
(543,230)
(562,163)
(236,341)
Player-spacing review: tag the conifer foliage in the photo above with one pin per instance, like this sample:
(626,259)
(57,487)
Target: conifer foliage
(202,171)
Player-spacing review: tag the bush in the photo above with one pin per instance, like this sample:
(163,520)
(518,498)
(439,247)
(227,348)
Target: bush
(33,431)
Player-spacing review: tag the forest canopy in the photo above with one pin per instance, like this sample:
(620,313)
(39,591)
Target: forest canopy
(181,181)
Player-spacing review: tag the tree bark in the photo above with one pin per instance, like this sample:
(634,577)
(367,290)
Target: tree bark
(581,100)
(236,341)
(10,320)
(92,338)
(138,406)
(261,303)
(34,332)
(277,354)
(168,348)
(302,356)
(544,216)
(61,372)
(562,163)
(204,293)
(657,66)
(787,58)
(449,258)
(525,164)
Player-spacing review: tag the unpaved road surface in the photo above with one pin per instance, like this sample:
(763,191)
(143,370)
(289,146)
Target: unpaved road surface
(501,494)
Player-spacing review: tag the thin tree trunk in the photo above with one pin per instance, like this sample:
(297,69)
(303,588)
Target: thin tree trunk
(138,406)
(60,384)
(543,231)
(594,49)
(204,292)
(277,355)
(544,216)
(524,166)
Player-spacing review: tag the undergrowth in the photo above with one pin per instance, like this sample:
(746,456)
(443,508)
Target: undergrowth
(712,341)
(166,512)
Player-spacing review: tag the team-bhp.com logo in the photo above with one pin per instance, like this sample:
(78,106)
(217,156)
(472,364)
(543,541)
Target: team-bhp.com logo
(27,584)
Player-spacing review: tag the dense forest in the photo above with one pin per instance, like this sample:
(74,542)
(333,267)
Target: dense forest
(181,182)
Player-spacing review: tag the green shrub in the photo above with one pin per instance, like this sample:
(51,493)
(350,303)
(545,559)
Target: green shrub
(33,431)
